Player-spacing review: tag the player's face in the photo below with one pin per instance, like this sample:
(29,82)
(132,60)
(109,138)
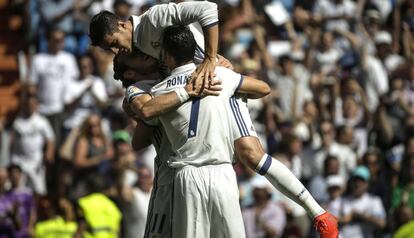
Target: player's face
(142,64)
(118,42)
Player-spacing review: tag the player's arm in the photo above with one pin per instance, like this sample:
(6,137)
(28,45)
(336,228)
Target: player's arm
(142,136)
(147,107)
(203,12)
(253,88)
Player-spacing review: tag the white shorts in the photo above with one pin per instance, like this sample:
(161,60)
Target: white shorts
(206,203)
(159,212)
(242,124)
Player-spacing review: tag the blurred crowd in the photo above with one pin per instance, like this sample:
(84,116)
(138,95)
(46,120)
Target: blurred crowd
(340,116)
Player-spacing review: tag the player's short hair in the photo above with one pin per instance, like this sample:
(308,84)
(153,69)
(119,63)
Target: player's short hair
(179,42)
(52,30)
(103,24)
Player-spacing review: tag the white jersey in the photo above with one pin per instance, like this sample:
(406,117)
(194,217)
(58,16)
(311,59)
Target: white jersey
(200,131)
(149,27)
(162,146)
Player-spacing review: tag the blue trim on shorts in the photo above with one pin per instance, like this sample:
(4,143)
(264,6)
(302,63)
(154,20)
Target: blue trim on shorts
(265,167)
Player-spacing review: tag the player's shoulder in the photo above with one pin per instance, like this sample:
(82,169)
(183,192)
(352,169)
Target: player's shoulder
(225,71)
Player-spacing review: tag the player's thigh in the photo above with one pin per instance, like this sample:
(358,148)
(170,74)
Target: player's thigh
(225,212)
(160,212)
(190,204)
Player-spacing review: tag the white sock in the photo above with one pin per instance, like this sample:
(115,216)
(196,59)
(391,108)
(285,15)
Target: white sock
(284,180)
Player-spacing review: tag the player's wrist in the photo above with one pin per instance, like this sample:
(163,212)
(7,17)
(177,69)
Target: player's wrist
(182,94)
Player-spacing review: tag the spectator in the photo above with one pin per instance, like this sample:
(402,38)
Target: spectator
(59,14)
(136,201)
(335,14)
(336,204)
(9,219)
(318,185)
(293,85)
(403,193)
(404,222)
(379,182)
(122,8)
(97,215)
(290,148)
(52,223)
(51,72)
(265,218)
(32,143)
(93,150)
(346,157)
(24,201)
(368,214)
(383,44)
(84,96)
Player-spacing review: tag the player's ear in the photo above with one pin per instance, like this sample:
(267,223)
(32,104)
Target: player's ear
(121,25)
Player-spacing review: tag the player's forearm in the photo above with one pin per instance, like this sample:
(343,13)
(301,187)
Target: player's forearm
(141,137)
(157,106)
(211,42)
(254,88)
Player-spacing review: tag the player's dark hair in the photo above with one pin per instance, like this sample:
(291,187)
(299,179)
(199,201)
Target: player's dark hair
(50,30)
(179,42)
(103,24)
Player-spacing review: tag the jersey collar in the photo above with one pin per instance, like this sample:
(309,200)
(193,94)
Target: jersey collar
(183,68)
(136,20)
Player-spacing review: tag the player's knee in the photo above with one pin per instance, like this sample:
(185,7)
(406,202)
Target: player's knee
(249,150)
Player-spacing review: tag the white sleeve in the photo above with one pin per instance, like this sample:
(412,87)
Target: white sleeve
(377,208)
(132,92)
(381,78)
(47,131)
(73,68)
(231,81)
(183,13)
(99,90)
(33,74)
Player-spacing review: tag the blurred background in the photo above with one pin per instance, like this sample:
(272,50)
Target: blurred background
(340,116)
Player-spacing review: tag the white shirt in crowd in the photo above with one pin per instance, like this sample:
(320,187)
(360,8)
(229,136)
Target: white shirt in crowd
(339,207)
(30,136)
(376,83)
(326,60)
(366,204)
(135,216)
(89,90)
(346,157)
(328,8)
(286,88)
(52,74)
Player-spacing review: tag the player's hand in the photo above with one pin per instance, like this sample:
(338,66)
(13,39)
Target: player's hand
(204,74)
(224,62)
(213,89)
